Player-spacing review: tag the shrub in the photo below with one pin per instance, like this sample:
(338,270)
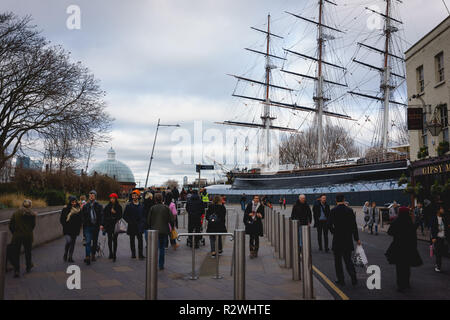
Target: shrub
(14,200)
(443,148)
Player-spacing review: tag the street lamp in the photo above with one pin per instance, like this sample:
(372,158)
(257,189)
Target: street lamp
(154,142)
(434,125)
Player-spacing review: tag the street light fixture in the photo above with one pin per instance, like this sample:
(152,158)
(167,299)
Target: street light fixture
(154,143)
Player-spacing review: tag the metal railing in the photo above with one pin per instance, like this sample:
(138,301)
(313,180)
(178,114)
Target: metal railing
(3,239)
(193,234)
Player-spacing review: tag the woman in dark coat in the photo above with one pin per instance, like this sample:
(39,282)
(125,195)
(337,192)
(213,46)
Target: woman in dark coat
(253,216)
(403,250)
(112,213)
(70,220)
(133,215)
(216,216)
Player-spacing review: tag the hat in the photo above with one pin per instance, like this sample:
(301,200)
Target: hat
(72,198)
(137,192)
(93,192)
(113,195)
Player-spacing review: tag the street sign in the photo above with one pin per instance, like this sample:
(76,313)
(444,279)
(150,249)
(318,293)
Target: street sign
(203,167)
(415,119)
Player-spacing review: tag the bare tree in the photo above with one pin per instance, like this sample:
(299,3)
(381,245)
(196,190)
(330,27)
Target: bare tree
(43,93)
(300,149)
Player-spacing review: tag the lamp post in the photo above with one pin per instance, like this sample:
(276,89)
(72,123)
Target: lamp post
(154,143)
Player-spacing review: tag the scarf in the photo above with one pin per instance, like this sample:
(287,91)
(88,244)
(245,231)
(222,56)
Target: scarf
(73,210)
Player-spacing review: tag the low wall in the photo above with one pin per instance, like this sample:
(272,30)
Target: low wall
(47,227)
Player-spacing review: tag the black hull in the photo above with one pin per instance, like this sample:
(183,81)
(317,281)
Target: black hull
(323,177)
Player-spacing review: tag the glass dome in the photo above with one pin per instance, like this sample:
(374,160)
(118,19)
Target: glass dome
(114,169)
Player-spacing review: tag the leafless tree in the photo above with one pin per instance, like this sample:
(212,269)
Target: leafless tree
(43,94)
(300,149)
(171,183)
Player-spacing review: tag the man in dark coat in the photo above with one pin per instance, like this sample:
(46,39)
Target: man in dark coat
(321,211)
(21,225)
(159,219)
(301,212)
(133,215)
(92,218)
(195,208)
(253,216)
(342,224)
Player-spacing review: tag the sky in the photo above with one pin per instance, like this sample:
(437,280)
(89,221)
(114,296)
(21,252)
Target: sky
(169,60)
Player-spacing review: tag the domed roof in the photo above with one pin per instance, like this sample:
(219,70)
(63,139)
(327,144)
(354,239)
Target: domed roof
(114,169)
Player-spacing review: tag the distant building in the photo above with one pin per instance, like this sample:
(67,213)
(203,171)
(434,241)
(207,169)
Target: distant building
(27,163)
(117,170)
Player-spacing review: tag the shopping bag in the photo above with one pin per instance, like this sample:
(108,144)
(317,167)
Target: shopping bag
(173,234)
(360,258)
(431,251)
(121,226)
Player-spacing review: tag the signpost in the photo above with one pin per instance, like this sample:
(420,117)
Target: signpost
(199,168)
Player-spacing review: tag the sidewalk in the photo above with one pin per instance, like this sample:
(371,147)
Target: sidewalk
(125,279)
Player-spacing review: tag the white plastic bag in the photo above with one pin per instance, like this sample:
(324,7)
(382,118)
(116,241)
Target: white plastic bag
(121,226)
(360,258)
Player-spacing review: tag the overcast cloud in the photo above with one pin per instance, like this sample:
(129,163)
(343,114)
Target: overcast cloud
(168,59)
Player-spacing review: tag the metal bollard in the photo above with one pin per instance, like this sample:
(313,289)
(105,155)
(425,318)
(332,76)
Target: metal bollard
(295,252)
(151,279)
(217,276)
(288,242)
(193,275)
(3,241)
(269,220)
(277,232)
(239,265)
(281,237)
(266,210)
(272,228)
(308,290)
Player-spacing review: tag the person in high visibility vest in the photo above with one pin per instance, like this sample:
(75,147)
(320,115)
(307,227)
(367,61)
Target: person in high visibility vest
(205,196)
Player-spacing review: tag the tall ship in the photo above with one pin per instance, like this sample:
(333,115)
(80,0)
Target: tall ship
(308,83)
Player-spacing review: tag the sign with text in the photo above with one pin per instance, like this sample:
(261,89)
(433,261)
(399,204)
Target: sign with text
(203,167)
(415,119)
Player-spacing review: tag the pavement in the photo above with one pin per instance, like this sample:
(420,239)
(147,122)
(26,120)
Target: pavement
(125,279)
(426,284)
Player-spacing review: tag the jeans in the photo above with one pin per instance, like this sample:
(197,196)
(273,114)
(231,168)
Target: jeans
(212,241)
(91,236)
(162,243)
(112,243)
(70,244)
(133,244)
(419,223)
(376,228)
(346,256)
(17,245)
(243,206)
(300,241)
(254,241)
(322,227)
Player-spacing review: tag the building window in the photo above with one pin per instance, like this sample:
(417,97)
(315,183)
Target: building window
(444,121)
(424,131)
(439,62)
(420,80)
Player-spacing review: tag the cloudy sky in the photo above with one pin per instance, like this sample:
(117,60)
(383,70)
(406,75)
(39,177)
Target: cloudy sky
(169,59)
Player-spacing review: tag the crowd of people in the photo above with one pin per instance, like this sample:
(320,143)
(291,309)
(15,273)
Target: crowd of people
(158,211)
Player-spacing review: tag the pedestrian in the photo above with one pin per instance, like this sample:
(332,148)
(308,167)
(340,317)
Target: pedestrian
(418,217)
(92,220)
(374,215)
(148,203)
(173,209)
(403,250)
(253,216)
(216,215)
(175,194)
(342,224)
(70,220)
(112,213)
(440,224)
(281,203)
(195,209)
(243,202)
(428,212)
(321,211)
(393,211)
(366,213)
(134,216)
(21,225)
(301,212)
(284,203)
(183,194)
(159,219)
(82,201)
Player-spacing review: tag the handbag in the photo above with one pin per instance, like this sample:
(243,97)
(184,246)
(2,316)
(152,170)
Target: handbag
(173,234)
(360,258)
(121,226)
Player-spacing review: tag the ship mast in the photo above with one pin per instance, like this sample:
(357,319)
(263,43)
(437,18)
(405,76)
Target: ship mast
(266,119)
(386,71)
(319,97)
